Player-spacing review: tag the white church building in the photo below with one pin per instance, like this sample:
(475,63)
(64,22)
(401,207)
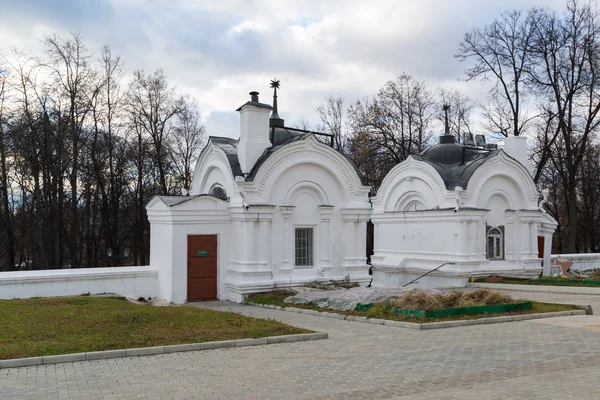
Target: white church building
(279,207)
(275,208)
(456,211)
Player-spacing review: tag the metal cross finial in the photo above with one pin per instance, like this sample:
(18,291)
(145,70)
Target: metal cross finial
(275,84)
(446,108)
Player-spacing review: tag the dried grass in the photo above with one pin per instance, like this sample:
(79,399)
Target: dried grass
(421,300)
(595,276)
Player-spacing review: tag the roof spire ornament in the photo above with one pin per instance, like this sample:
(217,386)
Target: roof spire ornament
(446,108)
(275,120)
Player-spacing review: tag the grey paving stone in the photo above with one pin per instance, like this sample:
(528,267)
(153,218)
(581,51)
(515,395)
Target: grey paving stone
(516,360)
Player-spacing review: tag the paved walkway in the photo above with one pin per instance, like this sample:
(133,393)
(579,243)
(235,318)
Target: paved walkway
(517,360)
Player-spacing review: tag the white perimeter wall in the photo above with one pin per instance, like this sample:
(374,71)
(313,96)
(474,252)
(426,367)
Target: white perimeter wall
(131,282)
(581,262)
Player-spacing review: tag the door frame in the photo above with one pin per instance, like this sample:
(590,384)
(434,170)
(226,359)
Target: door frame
(187,244)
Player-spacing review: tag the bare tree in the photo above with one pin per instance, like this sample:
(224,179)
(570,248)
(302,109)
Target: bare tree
(6,220)
(567,50)
(153,106)
(188,137)
(331,116)
(501,51)
(70,66)
(459,113)
(397,119)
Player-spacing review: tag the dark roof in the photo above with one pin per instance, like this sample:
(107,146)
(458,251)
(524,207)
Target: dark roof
(171,201)
(281,137)
(454,162)
(229,146)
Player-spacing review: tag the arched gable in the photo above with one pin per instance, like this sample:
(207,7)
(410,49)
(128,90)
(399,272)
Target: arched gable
(313,189)
(311,152)
(407,182)
(212,167)
(503,174)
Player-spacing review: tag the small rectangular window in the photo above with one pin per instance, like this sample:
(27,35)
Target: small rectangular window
(304,247)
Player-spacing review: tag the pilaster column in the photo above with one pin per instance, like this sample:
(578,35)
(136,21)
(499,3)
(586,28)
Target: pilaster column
(355,220)
(248,243)
(463,238)
(533,244)
(286,239)
(473,239)
(525,239)
(326,212)
(509,232)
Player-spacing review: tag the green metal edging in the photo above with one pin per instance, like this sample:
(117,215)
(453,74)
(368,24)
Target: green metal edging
(450,312)
(548,282)
(561,282)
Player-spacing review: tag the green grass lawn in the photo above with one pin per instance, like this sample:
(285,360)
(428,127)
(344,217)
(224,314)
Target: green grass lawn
(51,326)
(379,310)
(550,281)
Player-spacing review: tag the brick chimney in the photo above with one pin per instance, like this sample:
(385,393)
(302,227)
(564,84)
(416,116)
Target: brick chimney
(254,132)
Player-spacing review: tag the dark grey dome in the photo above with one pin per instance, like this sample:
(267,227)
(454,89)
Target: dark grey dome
(451,153)
(454,162)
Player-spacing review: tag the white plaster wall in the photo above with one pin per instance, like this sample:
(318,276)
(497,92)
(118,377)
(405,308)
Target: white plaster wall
(429,238)
(131,282)
(161,249)
(307,186)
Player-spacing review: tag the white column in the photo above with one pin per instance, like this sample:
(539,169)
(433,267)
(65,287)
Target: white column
(547,253)
(533,244)
(264,242)
(249,256)
(525,237)
(238,237)
(463,239)
(326,212)
(473,239)
(348,235)
(287,237)
(509,232)
(362,243)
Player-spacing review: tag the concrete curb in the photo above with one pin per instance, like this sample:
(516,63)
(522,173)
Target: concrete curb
(146,351)
(537,288)
(429,325)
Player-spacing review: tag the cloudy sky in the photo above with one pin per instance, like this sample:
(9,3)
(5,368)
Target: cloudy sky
(218,51)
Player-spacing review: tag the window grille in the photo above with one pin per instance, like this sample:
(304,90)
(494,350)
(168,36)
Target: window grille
(495,244)
(217,191)
(304,247)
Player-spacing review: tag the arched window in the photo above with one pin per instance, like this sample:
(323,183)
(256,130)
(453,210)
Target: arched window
(218,191)
(495,243)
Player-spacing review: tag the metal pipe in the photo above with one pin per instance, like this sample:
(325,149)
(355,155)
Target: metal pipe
(435,269)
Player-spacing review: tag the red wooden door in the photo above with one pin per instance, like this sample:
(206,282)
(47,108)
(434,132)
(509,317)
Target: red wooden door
(541,242)
(202,268)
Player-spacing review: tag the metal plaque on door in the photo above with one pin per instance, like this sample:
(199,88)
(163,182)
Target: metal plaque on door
(202,253)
